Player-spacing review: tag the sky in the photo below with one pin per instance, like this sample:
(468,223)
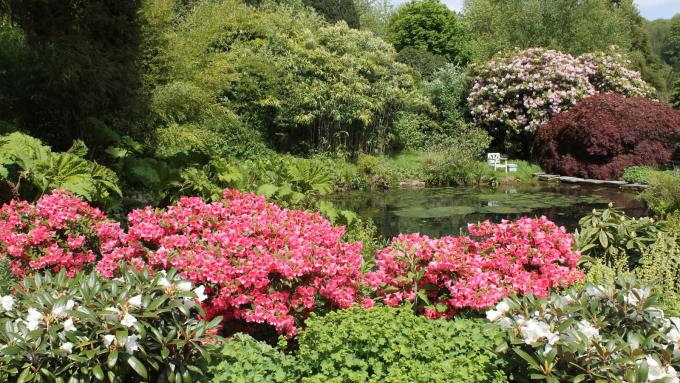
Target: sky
(650,9)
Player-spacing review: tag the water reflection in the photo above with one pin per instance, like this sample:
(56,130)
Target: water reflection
(443,211)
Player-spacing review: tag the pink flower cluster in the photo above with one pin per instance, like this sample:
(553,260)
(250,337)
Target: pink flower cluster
(443,276)
(262,264)
(520,91)
(59,231)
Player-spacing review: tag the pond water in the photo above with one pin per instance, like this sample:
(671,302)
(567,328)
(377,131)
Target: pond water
(447,211)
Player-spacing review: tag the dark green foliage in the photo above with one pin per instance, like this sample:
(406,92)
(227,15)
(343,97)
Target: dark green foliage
(244,359)
(393,345)
(79,62)
(675,96)
(336,10)
(432,26)
(671,44)
(422,61)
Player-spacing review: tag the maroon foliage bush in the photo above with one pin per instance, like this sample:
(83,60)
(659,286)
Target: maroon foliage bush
(607,133)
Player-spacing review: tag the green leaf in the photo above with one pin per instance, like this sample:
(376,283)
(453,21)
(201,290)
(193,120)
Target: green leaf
(267,190)
(112,359)
(138,367)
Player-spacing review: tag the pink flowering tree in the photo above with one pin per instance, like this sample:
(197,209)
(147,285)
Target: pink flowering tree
(58,232)
(440,277)
(515,93)
(261,264)
(610,72)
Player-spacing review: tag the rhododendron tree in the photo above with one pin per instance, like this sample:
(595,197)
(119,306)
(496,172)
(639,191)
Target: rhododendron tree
(521,90)
(610,72)
(440,277)
(58,232)
(262,264)
(516,93)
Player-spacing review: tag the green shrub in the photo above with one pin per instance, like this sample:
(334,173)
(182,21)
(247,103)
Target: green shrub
(135,329)
(393,345)
(663,192)
(457,161)
(610,235)
(638,174)
(600,333)
(243,359)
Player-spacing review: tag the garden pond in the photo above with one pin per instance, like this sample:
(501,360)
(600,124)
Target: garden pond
(447,211)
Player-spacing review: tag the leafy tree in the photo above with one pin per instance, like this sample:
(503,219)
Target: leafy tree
(430,25)
(374,15)
(571,26)
(82,64)
(671,45)
(335,10)
(284,74)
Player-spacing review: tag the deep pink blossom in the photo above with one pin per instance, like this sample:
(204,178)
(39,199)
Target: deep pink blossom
(475,272)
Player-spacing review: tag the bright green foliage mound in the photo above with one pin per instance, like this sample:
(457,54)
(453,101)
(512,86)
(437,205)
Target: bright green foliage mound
(393,345)
(245,360)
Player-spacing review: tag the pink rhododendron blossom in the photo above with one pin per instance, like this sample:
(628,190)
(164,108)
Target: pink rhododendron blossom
(59,231)
(477,271)
(262,263)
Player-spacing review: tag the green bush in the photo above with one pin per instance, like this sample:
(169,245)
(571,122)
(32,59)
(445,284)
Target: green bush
(457,160)
(86,328)
(393,345)
(611,236)
(638,174)
(663,192)
(675,96)
(600,333)
(243,359)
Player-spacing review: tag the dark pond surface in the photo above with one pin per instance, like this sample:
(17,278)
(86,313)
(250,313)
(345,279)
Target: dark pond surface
(444,211)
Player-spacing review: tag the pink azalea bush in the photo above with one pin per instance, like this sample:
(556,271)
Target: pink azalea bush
(443,276)
(58,232)
(518,92)
(263,264)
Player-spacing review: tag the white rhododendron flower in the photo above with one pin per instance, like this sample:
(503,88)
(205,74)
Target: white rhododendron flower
(33,319)
(657,372)
(590,331)
(200,293)
(7,302)
(68,347)
(60,310)
(131,344)
(108,340)
(128,320)
(533,330)
(135,301)
(69,326)
(164,282)
(502,308)
(184,286)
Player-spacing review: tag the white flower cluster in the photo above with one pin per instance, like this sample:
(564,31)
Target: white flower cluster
(540,329)
(59,315)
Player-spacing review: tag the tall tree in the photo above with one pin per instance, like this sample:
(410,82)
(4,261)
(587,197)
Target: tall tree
(336,10)
(671,44)
(432,26)
(84,55)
